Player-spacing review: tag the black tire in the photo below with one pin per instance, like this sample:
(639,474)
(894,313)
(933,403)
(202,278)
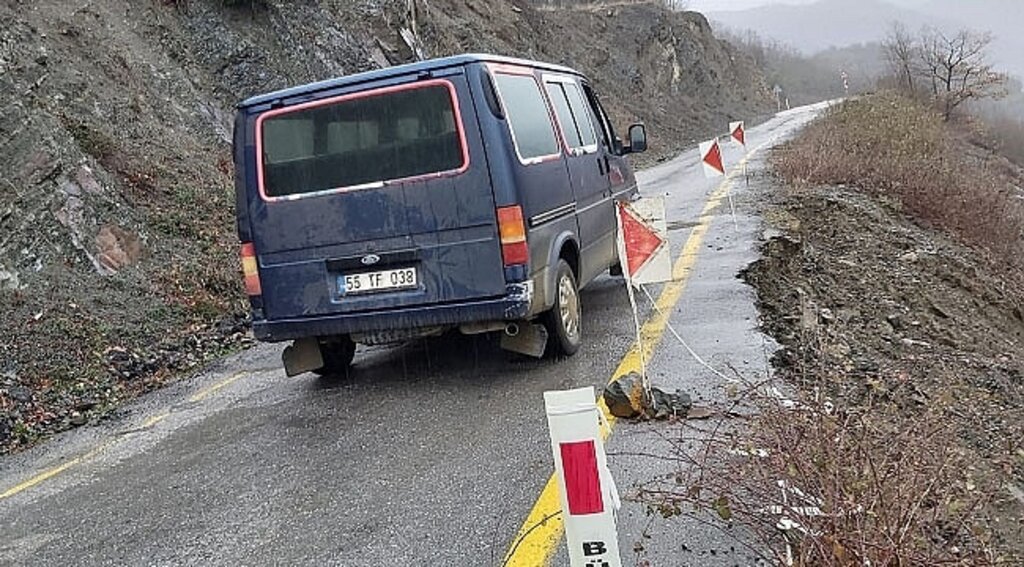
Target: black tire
(564,318)
(338,353)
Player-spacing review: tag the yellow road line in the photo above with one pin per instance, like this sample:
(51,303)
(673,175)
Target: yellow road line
(155,419)
(205,392)
(540,534)
(52,472)
(149,422)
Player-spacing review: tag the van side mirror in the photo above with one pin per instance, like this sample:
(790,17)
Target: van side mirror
(637,138)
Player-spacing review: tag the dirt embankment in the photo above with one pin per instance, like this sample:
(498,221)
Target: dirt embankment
(117,246)
(891,303)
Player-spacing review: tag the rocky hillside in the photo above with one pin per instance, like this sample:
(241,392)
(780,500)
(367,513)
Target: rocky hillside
(117,247)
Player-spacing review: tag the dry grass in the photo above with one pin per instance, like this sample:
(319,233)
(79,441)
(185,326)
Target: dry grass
(894,146)
(815,485)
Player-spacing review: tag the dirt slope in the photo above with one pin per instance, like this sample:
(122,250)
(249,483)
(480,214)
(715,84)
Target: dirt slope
(903,306)
(117,247)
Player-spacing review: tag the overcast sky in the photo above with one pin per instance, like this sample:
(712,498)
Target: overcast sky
(728,5)
(724,5)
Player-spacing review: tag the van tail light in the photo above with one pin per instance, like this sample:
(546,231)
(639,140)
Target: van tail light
(250,270)
(512,229)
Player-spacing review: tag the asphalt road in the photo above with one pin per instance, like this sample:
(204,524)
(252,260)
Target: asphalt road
(431,453)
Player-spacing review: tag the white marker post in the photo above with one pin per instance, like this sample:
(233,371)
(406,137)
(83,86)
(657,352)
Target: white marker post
(587,492)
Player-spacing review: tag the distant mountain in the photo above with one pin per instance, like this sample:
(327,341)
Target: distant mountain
(838,23)
(828,23)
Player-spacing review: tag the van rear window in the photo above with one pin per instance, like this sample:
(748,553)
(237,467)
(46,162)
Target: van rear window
(356,140)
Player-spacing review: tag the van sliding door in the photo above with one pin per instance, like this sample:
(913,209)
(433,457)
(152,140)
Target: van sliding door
(588,173)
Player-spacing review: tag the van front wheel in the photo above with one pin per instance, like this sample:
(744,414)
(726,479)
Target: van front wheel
(338,353)
(563,320)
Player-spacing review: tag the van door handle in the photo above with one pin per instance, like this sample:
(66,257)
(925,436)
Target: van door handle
(601,167)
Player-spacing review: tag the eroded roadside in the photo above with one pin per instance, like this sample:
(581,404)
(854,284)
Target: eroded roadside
(898,307)
(917,343)
(890,431)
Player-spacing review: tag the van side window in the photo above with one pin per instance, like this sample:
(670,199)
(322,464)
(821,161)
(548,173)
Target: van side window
(565,120)
(528,117)
(579,112)
(572,115)
(607,132)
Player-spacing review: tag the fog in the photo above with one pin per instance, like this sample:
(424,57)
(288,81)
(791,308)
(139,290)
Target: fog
(814,25)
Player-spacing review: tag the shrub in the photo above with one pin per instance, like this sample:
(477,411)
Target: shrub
(893,146)
(816,486)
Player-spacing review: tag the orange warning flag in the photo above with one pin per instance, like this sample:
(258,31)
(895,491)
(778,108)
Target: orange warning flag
(736,130)
(711,157)
(643,241)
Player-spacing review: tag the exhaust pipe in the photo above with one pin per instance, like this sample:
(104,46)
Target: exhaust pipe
(525,338)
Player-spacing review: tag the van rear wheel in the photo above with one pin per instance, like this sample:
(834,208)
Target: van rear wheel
(337,353)
(563,319)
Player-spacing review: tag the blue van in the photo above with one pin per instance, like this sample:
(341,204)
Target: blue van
(472,192)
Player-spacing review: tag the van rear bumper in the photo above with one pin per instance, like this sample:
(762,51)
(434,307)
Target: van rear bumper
(512,307)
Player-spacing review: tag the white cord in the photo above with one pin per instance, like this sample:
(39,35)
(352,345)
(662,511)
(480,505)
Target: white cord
(732,209)
(683,342)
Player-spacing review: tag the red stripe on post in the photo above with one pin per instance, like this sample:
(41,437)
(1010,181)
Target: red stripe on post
(582,482)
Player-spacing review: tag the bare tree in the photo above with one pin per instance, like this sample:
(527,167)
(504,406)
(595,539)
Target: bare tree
(957,68)
(901,49)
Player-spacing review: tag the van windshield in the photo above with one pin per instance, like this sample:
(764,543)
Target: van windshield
(363,139)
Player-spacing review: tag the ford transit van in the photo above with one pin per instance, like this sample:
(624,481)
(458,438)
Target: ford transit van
(472,192)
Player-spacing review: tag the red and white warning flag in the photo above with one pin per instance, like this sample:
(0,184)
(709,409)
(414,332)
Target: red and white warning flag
(643,241)
(739,135)
(588,494)
(711,157)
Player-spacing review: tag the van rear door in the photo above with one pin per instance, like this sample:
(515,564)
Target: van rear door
(373,199)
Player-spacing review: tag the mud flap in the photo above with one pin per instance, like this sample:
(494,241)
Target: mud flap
(531,340)
(302,356)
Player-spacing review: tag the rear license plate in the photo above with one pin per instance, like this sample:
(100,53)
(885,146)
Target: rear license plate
(384,280)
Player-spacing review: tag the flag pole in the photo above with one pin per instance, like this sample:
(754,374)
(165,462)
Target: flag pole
(639,339)
(732,208)
(624,262)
